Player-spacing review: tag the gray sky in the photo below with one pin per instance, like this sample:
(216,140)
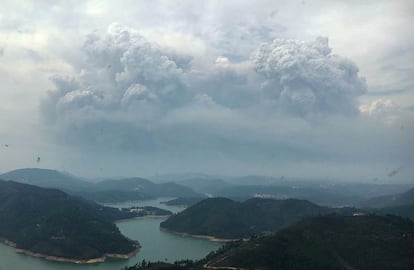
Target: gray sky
(293,88)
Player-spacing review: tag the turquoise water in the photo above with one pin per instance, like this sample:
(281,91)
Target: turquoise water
(156,245)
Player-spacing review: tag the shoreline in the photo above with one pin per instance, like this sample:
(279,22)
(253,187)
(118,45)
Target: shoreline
(101,259)
(199,236)
(142,217)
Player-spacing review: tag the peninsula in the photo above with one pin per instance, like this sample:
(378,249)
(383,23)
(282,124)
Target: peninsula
(53,225)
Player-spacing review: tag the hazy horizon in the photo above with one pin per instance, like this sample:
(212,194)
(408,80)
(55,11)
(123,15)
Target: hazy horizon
(232,178)
(309,89)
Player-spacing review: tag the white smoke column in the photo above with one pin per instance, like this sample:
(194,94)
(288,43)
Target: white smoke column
(122,72)
(305,77)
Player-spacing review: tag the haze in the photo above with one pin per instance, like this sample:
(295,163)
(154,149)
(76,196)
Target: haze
(310,89)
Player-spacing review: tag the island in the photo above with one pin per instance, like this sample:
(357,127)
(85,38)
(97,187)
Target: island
(53,225)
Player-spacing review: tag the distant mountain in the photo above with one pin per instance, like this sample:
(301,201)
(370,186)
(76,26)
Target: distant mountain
(225,218)
(146,187)
(47,178)
(325,192)
(113,196)
(205,185)
(113,190)
(53,223)
(323,196)
(256,180)
(232,180)
(177,177)
(330,242)
(390,200)
(365,190)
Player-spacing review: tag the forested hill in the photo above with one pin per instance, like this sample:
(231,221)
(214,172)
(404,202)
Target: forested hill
(225,218)
(51,222)
(330,242)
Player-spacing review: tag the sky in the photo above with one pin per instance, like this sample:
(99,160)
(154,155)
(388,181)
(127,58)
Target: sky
(309,89)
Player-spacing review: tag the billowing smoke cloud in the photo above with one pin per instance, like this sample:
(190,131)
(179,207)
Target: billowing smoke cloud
(305,77)
(132,94)
(122,88)
(120,70)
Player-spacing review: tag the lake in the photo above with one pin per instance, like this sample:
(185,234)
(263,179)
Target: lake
(156,245)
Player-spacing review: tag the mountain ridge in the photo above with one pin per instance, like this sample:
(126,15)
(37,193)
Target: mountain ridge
(109,190)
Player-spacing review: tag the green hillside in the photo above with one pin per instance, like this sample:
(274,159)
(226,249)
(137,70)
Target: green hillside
(330,242)
(225,218)
(50,222)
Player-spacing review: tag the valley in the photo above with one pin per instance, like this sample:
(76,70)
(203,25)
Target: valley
(250,212)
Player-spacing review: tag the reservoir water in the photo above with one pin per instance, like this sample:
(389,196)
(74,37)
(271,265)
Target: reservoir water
(156,246)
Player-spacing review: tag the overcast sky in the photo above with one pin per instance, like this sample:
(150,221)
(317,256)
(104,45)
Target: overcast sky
(307,88)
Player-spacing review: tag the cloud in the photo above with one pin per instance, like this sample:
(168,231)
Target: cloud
(127,58)
(138,93)
(388,92)
(121,69)
(283,104)
(383,109)
(305,77)
(380,107)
